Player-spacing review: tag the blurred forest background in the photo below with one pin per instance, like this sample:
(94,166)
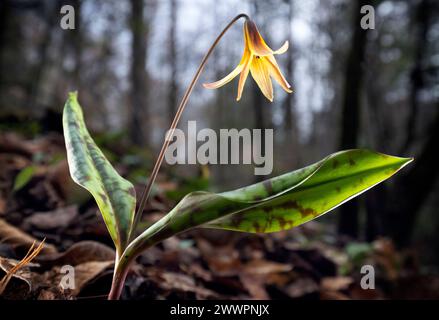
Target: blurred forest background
(132,60)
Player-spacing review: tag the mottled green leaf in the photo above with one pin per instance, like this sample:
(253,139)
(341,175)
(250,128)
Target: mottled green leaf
(339,178)
(90,169)
(282,202)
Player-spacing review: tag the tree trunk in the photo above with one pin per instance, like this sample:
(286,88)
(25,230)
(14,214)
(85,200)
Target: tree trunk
(4,14)
(290,126)
(77,43)
(412,189)
(377,223)
(350,122)
(421,22)
(138,117)
(50,14)
(173,87)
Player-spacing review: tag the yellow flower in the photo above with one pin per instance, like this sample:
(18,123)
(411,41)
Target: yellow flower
(258,58)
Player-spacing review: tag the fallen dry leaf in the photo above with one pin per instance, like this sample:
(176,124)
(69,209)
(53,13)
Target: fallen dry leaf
(175,281)
(301,287)
(84,273)
(386,256)
(2,203)
(255,286)
(14,268)
(12,143)
(59,218)
(19,239)
(336,283)
(81,252)
(265,267)
(23,275)
(222,261)
(333,295)
(196,270)
(53,293)
(59,177)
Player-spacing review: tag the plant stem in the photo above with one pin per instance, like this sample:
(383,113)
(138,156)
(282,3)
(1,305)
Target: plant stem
(147,191)
(154,234)
(119,276)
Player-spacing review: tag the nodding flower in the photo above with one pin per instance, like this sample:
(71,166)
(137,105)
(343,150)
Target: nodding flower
(258,59)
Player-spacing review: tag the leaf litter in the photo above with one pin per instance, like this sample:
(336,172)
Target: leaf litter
(309,262)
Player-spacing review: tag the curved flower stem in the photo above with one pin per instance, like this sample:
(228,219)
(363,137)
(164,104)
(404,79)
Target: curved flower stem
(147,191)
(122,264)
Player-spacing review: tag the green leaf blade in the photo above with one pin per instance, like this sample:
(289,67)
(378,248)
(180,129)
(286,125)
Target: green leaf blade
(89,168)
(339,178)
(285,201)
(280,203)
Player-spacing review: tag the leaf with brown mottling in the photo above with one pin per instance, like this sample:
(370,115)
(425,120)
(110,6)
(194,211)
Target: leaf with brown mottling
(279,203)
(114,195)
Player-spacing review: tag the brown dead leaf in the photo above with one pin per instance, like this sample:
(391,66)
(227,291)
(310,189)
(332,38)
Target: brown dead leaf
(13,268)
(175,281)
(79,253)
(333,295)
(265,267)
(255,286)
(12,163)
(84,274)
(18,239)
(2,203)
(23,275)
(12,143)
(301,287)
(53,293)
(336,283)
(59,177)
(222,261)
(255,274)
(279,279)
(339,257)
(387,257)
(46,195)
(59,218)
(196,270)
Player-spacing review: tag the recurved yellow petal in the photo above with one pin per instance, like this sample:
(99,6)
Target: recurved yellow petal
(282,49)
(258,58)
(243,76)
(225,80)
(274,70)
(259,71)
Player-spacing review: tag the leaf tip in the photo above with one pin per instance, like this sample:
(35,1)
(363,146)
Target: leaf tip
(406,160)
(73,95)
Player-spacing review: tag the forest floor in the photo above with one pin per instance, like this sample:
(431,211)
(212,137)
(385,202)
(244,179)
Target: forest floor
(39,201)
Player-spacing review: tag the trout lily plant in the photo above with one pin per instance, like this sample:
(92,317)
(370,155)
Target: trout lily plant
(276,204)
